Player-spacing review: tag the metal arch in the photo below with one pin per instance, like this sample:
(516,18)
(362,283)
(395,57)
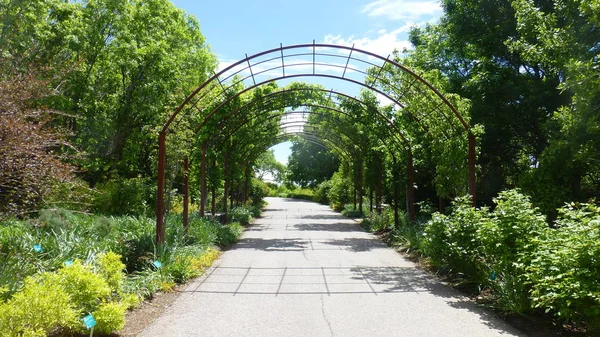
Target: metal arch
(228,99)
(315,140)
(331,91)
(281,49)
(244,122)
(338,141)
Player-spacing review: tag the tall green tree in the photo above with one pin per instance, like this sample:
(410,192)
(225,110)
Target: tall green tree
(562,36)
(310,164)
(511,96)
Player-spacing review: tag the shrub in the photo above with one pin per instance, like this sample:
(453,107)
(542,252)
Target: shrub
(508,242)
(110,316)
(303,194)
(42,306)
(202,231)
(340,192)
(147,282)
(241,214)
(111,267)
(227,234)
(180,266)
(258,191)
(125,197)
(565,271)
(376,222)
(85,288)
(206,259)
(322,192)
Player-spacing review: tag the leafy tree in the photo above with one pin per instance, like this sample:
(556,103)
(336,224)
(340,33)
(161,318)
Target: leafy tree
(510,96)
(310,164)
(30,147)
(267,164)
(563,38)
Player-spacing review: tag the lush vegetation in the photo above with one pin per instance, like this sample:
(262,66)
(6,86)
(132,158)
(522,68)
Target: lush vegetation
(85,87)
(63,265)
(510,256)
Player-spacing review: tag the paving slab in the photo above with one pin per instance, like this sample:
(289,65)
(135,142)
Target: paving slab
(304,270)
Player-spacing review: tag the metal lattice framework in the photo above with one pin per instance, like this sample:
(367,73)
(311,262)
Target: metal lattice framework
(360,68)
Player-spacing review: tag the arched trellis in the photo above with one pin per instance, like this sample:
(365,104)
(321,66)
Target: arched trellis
(273,96)
(219,87)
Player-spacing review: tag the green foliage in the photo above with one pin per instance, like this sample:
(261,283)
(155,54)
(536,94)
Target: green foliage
(451,241)
(85,288)
(258,191)
(340,191)
(564,272)
(310,164)
(322,192)
(180,265)
(228,234)
(267,164)
(241,214)
(301,194)
(476,243)
(533,266)
(110,266)
(125,197)
(41,307)
(375,222)
(110,317)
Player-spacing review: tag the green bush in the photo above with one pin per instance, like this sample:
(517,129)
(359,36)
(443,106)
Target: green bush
(490,249)
(302,194)
(202,231)
(180,265)
(110,266)
(508,242)
(41,307)
(451,241)
(229,233)
(376,222)
(110,317)
(322,192)
(565,268)
(258,191)
(340,192)
(134,196)
(241,214)
(85,288)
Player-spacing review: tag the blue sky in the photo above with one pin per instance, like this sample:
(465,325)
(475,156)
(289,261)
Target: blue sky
(234,28)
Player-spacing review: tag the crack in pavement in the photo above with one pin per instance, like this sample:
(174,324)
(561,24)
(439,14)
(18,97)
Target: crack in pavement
(325,317)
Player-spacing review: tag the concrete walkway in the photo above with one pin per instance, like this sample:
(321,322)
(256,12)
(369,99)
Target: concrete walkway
(303,270)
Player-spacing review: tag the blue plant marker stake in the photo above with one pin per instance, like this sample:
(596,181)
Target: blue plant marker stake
(157,264)
(37,248)
(90,323)
(68,263)
(493,276)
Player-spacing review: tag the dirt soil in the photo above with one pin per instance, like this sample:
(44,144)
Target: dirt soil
(142,316)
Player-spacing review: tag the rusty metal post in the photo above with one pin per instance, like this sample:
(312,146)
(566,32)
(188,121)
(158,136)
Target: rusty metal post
(226,185)
(396,198)
(160,198)
(379,193)
(411,188)
(213,201)
(472,168)
(186,194)
(203,181)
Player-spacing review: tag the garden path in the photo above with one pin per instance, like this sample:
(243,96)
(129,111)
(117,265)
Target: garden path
(304,270)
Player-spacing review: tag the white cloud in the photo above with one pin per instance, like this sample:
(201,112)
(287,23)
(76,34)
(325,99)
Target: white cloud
(383,44)
(403,9)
